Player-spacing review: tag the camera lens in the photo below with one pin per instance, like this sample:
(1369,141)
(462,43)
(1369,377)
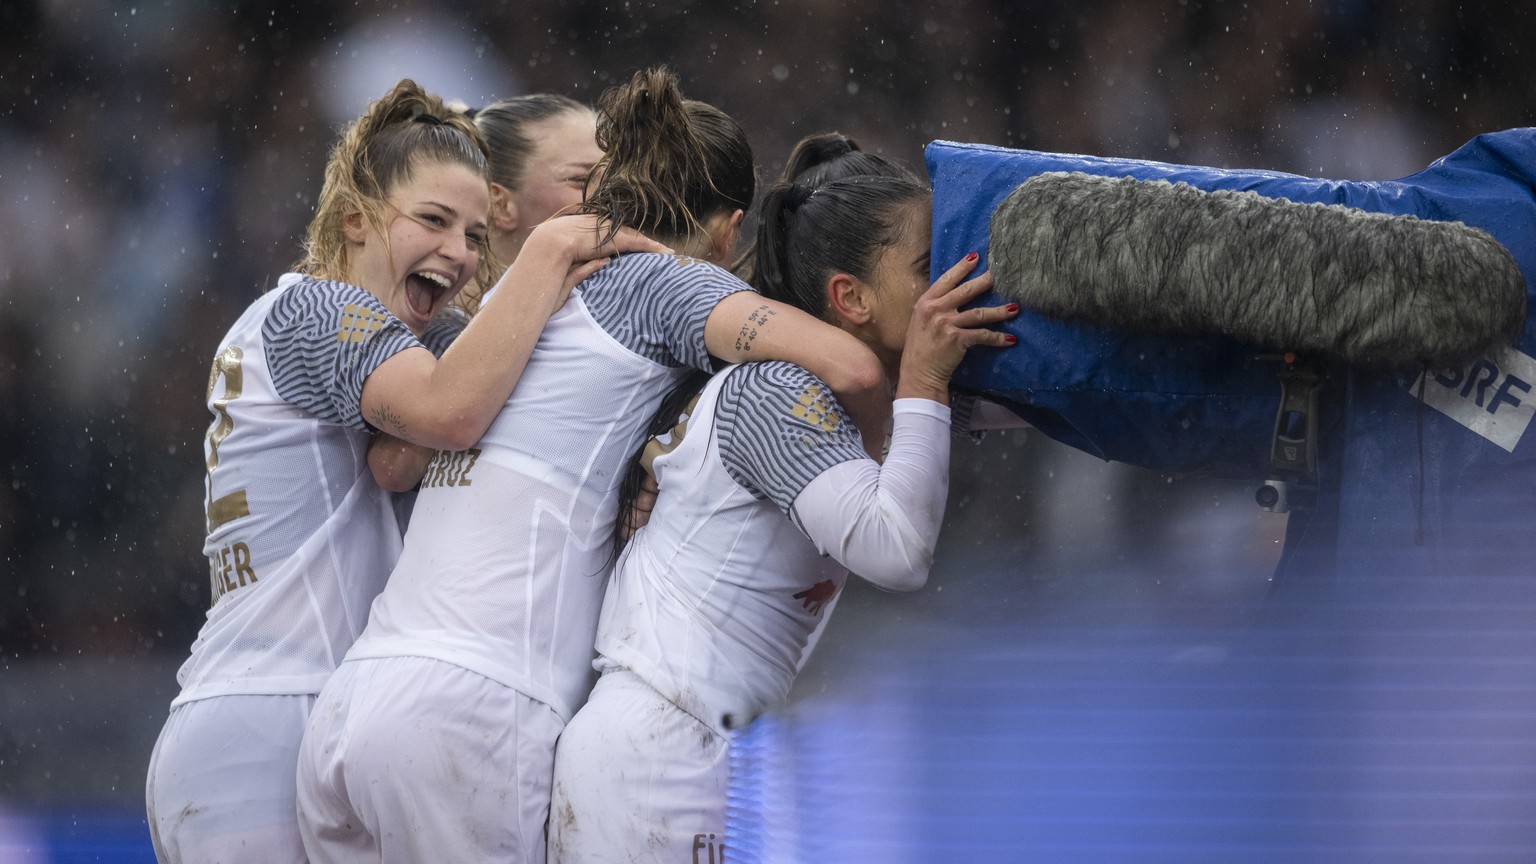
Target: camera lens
(1267,496)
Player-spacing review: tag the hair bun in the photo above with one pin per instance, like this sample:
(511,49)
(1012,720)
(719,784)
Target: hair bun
(837,146)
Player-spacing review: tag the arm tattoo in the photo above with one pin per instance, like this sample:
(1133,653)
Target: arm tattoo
(755,321)
(387,420)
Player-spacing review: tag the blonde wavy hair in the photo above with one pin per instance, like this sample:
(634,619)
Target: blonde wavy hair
(378,152)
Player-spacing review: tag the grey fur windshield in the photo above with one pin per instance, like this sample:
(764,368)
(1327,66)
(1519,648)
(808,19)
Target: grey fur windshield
(1321,280)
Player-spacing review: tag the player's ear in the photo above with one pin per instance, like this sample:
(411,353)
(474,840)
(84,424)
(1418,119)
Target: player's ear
(354,227)
(503,209)
(722,228)
(850,299)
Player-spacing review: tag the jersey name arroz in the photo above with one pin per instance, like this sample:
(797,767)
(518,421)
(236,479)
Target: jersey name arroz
(450,468)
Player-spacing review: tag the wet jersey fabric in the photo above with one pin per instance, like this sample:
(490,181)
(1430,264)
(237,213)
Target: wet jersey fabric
(300,538)
(510,542)
(709,602)
(1446,483)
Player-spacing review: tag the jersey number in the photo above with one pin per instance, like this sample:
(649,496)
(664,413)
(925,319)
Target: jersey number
(229,507)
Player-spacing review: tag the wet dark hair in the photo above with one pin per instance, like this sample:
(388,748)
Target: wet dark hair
(378,152)
(839,227)
(806,234)
(668,163)
(818,159)
(505,124)
(822,157)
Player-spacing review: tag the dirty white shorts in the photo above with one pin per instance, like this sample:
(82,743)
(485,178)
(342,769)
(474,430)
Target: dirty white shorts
(637,779)
(221,780)
(408,759)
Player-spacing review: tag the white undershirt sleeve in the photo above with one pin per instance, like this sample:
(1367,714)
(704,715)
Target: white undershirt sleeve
(882,521)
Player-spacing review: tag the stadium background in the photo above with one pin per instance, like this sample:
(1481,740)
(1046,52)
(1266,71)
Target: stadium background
(159,160)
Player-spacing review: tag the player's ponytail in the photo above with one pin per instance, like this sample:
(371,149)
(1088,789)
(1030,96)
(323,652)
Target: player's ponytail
(379,151)
(818,159)
(668,163)
(805,234)
(772,276)
(818,148)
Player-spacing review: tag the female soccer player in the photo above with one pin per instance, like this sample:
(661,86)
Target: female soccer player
(435,739)
(765,499)
(541,150)
(300,537)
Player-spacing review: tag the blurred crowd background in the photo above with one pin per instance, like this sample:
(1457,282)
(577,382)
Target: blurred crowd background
(159,161)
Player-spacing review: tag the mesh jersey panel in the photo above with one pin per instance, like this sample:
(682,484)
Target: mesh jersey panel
(505,562)
(300,537)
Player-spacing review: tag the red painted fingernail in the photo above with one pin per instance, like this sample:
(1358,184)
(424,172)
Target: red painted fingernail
(971,257)
(1011,339)
(1013,307)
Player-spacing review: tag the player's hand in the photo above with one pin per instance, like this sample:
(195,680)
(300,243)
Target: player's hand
(585,237)
(941,332)
(585,242)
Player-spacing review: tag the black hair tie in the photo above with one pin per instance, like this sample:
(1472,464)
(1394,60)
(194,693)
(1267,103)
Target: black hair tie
(839,147)
(429,119)
(796,196)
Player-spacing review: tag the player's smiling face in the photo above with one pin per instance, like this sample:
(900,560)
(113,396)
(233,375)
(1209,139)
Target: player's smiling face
(436,228)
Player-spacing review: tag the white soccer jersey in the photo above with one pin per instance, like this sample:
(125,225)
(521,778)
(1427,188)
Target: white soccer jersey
(509,544)
(717,598)
(300,538)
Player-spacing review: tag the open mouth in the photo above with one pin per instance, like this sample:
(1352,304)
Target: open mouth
(423,290)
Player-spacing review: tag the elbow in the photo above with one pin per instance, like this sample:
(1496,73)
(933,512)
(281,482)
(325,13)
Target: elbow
(865,375)
(904,574)
(459,438)
(458,430)
(390,481)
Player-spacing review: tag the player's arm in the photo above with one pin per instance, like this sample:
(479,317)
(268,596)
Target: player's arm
(448,403)
(882,521)
(783,436)
(748,326)
(396,465)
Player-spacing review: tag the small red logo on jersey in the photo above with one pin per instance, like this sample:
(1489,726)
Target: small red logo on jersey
(816,596)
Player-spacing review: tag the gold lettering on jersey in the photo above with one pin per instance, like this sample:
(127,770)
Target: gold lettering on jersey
(450,468)
(227,509)
(358,323)
(815,407)
(226,365)
(230,568)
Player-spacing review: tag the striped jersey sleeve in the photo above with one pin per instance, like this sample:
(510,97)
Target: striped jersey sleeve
(443,329)
(323,339)
(656,305)
(779,427)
